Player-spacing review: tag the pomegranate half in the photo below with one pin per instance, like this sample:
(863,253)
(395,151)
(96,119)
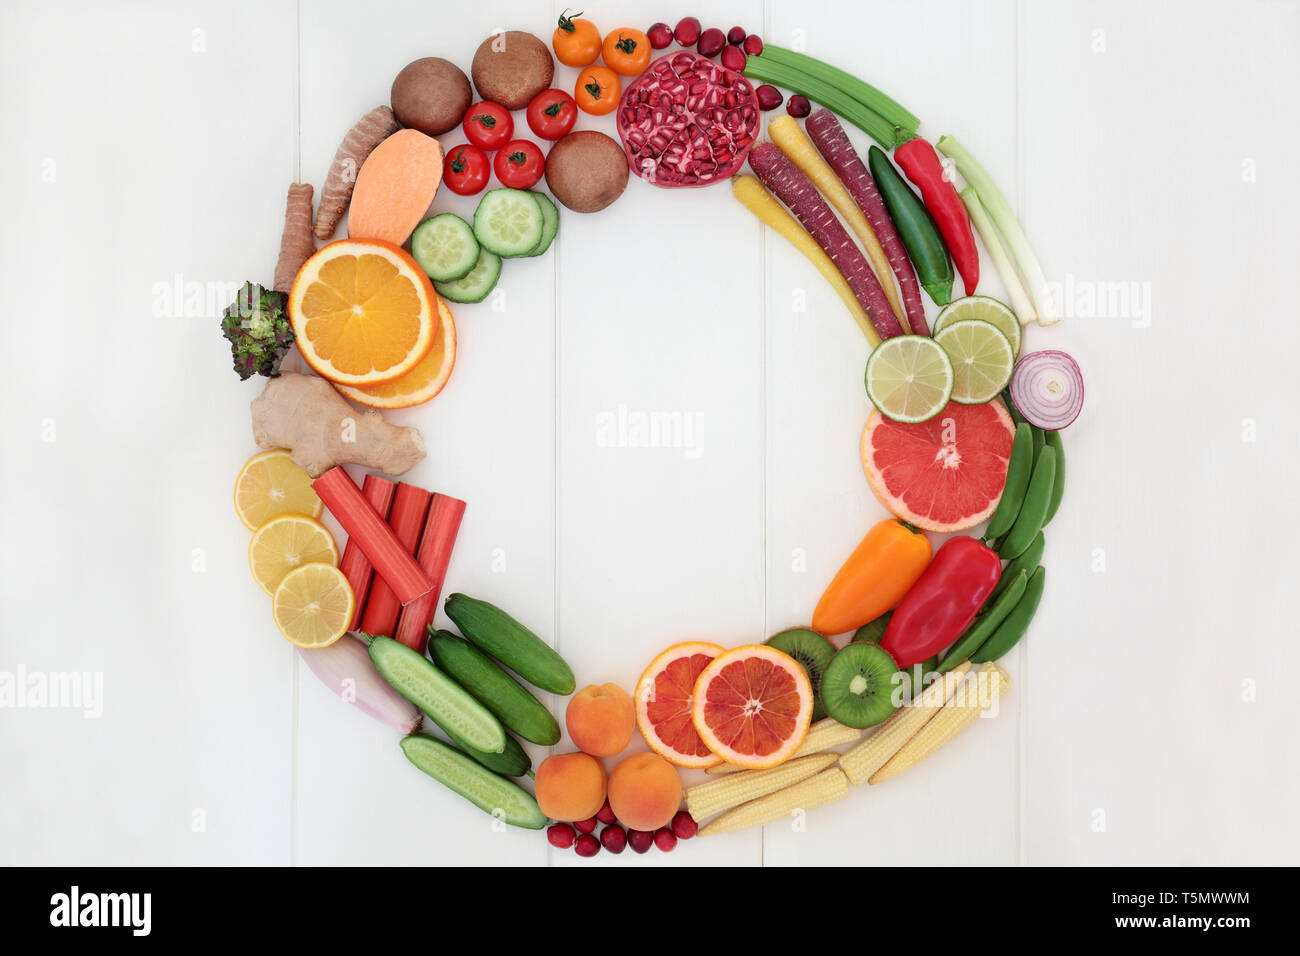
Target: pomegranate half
(687,121)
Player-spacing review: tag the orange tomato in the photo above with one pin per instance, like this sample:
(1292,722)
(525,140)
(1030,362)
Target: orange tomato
(576,42)
(626,51)
(597,90)
(882,568)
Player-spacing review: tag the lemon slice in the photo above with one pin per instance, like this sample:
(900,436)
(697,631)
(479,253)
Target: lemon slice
(313,605)
(982,359)
(909,378)
(285,543)
(981,307)
(270,485)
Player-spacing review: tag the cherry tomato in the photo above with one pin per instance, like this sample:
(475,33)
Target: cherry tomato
(626,51)
(552,114)
(576,42)
(466,169)
(488,126)
(519,164)
(597,90)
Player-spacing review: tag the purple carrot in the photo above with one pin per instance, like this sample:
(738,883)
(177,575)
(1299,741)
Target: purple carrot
(788,183)
(833,143)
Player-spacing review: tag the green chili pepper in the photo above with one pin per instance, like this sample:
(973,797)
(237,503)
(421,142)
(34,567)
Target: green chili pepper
(915,227)
(872,631)
(985,624)
(1026,562)
(1030,520)
(1013,492)
(1058,484)
(1013,628)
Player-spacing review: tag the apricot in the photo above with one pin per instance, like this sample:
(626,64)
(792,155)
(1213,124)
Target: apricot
(645,791)
(600,719)
(570,787)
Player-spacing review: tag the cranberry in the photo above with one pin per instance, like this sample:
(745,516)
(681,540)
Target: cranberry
(659,35)
(613,838)
(560,835)
(736,36)
(587,845)
(733,58)
(711,42)
(606,814)
(798,107)
(687,31)
(640,840)
(586,826)
(769,97)
(665,839)
(753,45)
(684,825)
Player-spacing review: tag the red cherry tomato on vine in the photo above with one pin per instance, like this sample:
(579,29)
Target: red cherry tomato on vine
(488,126)
(552,114)
(466,169)
(519,164)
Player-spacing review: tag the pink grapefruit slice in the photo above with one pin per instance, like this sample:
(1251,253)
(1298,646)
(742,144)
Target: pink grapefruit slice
(663,704)
(944,474)
(753,705)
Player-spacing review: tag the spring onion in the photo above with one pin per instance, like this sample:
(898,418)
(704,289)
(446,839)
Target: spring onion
(864,93)
(827,94)
(1020,303)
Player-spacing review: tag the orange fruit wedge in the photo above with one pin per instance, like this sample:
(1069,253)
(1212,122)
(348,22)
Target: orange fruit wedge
(752,706)
(422,382)
(663,704)
(363,313)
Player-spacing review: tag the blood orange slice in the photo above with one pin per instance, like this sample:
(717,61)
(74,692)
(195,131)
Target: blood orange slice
(945,474)
(663,704)
(753,705)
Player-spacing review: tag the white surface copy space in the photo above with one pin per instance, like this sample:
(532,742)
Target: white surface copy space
(1150,151)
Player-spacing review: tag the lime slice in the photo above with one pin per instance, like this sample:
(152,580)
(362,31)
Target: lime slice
(982,307)
(909,378)
(982,359)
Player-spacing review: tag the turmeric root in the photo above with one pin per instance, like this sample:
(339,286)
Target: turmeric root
(371,130)
(296,243)
(304,414)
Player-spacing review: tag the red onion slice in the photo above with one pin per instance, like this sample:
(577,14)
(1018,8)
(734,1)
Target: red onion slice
(1047,388)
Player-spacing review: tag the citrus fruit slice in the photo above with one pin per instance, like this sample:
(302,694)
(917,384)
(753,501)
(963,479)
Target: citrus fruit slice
(270,485)
(285,543)
(313,605)
(981,307)
(909,378)
(982,359)
(421,383)
(942,475)
(663,704)
(362,312)
(752,706)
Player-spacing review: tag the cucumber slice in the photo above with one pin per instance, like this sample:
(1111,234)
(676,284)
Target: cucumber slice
(550,223)
(475,286)
(488,791)
(428,688)
(445,247)
(509,222)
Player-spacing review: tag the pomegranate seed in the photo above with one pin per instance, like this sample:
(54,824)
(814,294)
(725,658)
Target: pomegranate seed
(687,31)
(733,58)
(585,826)
(640,840)
(736,36)
(753,45)
(560,835)
(665,839)
(587,845)
(659,35)
(769,97)
(711,42)
(798,107)
(613,838)
(684,825)
(606,814)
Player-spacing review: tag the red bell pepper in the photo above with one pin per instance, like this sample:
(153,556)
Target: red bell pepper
(918,160)
(943,601)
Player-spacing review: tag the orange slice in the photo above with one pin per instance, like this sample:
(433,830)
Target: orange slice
(663,704)
(752,706)
(362,312)
(422,382)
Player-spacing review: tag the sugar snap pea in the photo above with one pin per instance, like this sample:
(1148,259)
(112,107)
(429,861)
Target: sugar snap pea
(1017,622)
(1030,520)
(1027,561)
(1058,484)
(1019,468)
(986,624)
(1040,439)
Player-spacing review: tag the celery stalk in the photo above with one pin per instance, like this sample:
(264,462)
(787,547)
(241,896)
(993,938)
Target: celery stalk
(1020,302)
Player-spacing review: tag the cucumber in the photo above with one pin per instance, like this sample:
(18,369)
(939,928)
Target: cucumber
(445,247)
(475,286)
(508,222)
(550,223)
(451,707)
(497,633)
(488,791)
(511,762)
(494,688)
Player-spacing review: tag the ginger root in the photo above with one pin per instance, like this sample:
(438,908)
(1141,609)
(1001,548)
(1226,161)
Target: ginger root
(304,414)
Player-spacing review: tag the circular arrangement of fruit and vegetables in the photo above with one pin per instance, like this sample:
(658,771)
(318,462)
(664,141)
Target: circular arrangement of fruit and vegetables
(964,429)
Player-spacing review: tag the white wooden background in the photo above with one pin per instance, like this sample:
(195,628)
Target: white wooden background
(1150,147)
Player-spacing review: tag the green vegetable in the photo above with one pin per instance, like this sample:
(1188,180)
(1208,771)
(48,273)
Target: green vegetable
(257,327)
(550,223)
(1040,439)
(1030,520)
(509,222)
(872,631)
(915,227)
(444,247)
(1013,492)
(500,635)
(986,624)
(511,762)
(488,791)
(1017,622)
(1027,561)
(494,688)
(767,70)
(474,287)
(1058,486)
(864,93)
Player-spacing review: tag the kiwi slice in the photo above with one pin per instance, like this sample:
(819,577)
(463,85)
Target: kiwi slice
(813,652)
(858,685)
(872,631)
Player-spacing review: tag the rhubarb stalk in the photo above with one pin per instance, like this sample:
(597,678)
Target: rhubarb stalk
(356,567)
(436,544)
(405,518)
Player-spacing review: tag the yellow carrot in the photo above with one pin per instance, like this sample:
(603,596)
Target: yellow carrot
(761,203)
(796,145)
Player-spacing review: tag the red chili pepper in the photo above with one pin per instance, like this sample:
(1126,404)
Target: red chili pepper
(943,601)
(920,163)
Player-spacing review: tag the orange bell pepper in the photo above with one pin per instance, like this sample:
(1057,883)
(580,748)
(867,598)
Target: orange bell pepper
(874,578)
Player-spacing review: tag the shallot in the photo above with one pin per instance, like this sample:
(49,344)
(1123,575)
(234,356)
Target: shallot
(1047,388)
(345,668)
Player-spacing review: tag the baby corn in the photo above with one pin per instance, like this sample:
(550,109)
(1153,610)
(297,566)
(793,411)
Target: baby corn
(823,735)
(826,787)
(706,799)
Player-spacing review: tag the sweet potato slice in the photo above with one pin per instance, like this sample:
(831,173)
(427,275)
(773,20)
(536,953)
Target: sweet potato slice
(395,187)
